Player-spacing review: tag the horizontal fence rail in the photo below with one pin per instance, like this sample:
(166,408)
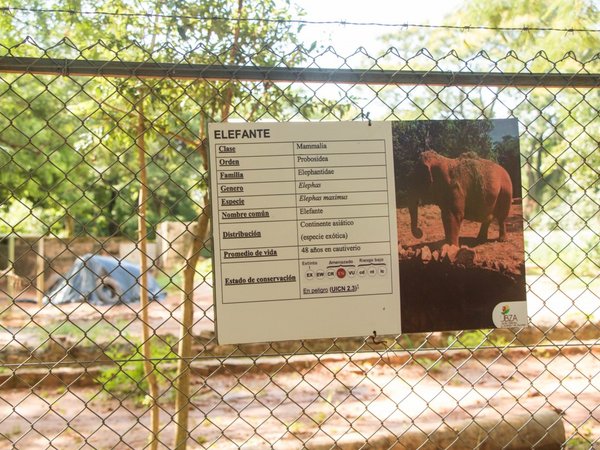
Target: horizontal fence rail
(143,69)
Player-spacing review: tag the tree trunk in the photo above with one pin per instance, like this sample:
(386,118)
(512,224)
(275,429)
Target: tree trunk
(199,232)
(69,225)
(113,225)
(232,60)
(182,400)
(149,371)
(41,267)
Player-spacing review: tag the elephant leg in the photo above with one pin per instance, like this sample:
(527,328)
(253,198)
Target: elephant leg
(503,211)
(483,231)
(455,212)
(446,222)
(502,226)
(454,223)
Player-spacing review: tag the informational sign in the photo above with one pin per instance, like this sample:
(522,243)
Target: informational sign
(363,228)
(304,226)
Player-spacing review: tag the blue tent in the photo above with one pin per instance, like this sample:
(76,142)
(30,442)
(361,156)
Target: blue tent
(102,280)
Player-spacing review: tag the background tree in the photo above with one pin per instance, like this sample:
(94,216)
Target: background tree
(448,138)
(129,148)
(71,140)
(507,154)
(558,128)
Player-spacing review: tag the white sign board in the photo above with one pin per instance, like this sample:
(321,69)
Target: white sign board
(304,226)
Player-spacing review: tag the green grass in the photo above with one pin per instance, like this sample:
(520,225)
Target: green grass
(173,283)
(579,442)
(126,378)
(92,330)
(319,418)
(476,338)
(14,431)
(85,332)
(559,253)
(296,427)
(431,365)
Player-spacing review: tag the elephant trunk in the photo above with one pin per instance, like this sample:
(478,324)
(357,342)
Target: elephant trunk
(413,209)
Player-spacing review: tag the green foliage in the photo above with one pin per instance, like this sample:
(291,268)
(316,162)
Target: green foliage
(296,427)
(559,252)
(578,442)
(170,283)
(127,380)
(200,440)
(319,418)
(431,365)
(559,150)
(523,45)
(11,433)
(91,332)
(508,156)
(448,138)
(476,338)
(584,439)
(69,145)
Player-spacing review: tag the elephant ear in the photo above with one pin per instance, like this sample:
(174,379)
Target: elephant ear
(424,175)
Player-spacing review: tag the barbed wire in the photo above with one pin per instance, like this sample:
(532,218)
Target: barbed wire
(404,25)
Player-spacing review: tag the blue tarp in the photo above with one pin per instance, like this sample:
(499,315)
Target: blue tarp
(102,280)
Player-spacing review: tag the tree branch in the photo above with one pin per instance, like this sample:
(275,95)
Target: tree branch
(118,109)
(177,136)
(12,145)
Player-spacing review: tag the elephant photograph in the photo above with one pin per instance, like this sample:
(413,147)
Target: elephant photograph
(460,221)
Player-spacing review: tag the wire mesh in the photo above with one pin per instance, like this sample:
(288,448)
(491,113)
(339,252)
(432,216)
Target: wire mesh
(73,122)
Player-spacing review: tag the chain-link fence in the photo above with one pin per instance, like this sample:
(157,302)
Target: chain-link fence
(103,159)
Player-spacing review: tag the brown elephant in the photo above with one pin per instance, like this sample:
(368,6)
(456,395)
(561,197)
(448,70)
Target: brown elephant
(467,187)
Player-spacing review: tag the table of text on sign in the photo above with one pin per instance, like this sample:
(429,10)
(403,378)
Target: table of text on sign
(312,217)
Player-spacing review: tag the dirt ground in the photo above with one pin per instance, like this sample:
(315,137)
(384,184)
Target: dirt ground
(510,253)
(291,408)
(318,401)
(165,316)
(450,288)
(311,403)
